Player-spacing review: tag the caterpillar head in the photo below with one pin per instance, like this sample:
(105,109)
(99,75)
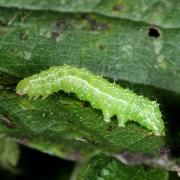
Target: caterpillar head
(23,87)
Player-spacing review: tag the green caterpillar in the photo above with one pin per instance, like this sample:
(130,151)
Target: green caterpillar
(110,98)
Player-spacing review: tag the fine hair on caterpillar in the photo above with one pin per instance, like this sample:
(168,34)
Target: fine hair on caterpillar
(112,99)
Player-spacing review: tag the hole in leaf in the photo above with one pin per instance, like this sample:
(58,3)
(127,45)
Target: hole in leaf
(153,32)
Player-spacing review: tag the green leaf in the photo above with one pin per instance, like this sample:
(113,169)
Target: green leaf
(117,49)
(67,128)
(105,168)
(163,13)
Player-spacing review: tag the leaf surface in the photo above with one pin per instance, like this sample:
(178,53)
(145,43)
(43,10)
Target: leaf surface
(103,167)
